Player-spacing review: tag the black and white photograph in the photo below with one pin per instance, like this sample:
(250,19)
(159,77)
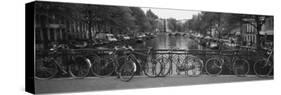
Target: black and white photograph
(93,47)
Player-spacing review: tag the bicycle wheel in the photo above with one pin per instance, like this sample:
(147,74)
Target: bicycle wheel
(178,60)
(152,68)
(241,67)
(127,70)
(46,68)
(80,68)
(166,66)
(213,66)
(263,68)
(194,66)
(102,66)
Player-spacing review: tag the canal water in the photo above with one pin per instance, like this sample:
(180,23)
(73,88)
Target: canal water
(164,41)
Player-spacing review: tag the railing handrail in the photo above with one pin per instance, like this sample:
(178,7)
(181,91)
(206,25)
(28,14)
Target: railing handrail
(185,50)
(160,51)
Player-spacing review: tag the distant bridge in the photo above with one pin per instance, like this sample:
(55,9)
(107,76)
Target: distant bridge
(178,33)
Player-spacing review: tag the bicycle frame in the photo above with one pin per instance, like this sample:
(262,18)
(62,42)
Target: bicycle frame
(116,58)
(136,59)
(268,58)
(51,56)
(264,67)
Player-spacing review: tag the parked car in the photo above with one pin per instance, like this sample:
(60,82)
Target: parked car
(126,37)
(213,45)
(142,36)
(111,38)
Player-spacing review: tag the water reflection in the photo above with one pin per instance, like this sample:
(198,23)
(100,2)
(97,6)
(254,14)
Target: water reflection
(163,41)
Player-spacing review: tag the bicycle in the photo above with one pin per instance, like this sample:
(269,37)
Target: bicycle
(166,63)
(240,66)
(264,66)
(105,65)
(124,65)
(178,60)
(191,65)
(150,66)
(49,63)
(194,66)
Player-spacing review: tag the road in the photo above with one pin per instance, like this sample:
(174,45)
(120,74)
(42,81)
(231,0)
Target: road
(112,83)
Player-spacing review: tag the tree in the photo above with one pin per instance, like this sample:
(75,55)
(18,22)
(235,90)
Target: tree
(196,24)
(222,22)
(151,20)
(185,26)
(140,19)
(151,15)
(172,24)
(225,22)
(97,19)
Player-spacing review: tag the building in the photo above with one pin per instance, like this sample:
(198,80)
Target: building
(213,31)
(248,35)
(249,32)
(54,28)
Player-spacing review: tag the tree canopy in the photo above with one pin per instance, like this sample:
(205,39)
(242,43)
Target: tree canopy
(116,19)
(223,22)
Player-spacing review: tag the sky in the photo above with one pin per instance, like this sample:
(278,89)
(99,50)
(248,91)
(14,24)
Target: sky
(172,13)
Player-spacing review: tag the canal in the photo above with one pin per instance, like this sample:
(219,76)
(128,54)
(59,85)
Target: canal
(164,41)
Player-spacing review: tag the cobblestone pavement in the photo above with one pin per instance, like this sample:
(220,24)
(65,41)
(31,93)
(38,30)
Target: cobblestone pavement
(112,83)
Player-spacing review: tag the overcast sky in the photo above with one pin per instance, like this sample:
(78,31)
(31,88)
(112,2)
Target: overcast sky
(172,13)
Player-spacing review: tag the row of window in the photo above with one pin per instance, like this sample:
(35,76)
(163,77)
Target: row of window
(249,28)
(59,35)
(250,38)
(56,28)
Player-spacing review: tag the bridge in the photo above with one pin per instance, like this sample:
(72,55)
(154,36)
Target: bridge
(176,56)
(89,83)
(178,33)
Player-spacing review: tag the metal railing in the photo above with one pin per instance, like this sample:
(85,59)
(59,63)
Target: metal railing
(175,56)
